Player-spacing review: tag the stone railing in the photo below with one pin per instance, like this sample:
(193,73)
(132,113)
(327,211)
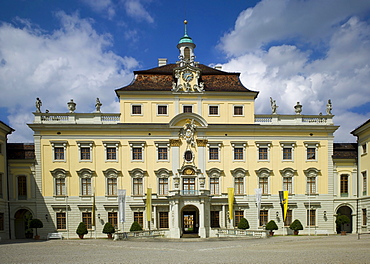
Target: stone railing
(242,233)
(76,118)
(138,234)
(293,119)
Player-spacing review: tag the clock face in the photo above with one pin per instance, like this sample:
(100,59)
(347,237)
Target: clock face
(187,76)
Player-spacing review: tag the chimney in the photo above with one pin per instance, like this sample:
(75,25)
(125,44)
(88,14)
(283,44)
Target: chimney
(218,67)
(162,62)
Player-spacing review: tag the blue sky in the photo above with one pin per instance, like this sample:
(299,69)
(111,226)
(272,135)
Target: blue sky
(291,50)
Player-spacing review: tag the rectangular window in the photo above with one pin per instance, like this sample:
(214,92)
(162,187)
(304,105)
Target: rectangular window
(213,110)
(58,153)
(60,185)
(288,184)
(238,154)
(287,153)
(137,153)
(213,154)
(163,220)
(263,153)
(85,186)
(138,217)
(288,218)
(238,216)
(311,185)
(215,219)
(311,217)
(364,183)
(112,186)
(22,188)
(364,149)
(138,186)
(1,186)
(163,186)
(364,217)
(311,153)
(162,154)
(187,108)
(238,110)
(214,185)
(264,215)
(113,219)
(85,153)
(111,153)
(61,220)
(239,185)
(2,220)
(162,109)
(87,219)
(264,184)
(136,109)
(344,185)
(189,185)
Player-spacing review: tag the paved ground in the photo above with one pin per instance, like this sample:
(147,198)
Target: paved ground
(278,249)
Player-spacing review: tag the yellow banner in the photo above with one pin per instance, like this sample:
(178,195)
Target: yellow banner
(148,204)
(285,203)
(230,192)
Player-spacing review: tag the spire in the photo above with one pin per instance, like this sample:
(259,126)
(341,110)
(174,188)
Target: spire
(186,46)
(185,38)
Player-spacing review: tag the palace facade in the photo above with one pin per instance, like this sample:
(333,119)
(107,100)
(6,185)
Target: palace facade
(188,136)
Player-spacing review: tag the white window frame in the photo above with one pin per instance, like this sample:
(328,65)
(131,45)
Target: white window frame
(209,109)
(264,145)
(111,174)
(243,110)
(312,173)
(364,184)
(264,173)
(239,145)
(59,145)
(60,174)
(158,105)
(314,145)
(288,173)
(141,109)
(290,145)
(159,145)
(111,145)
(364,149)
(85,145)
(214,145)
(137,145)
(192,108)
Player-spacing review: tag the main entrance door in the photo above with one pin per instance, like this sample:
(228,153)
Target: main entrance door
(190,220)
(21,221)
(345,210)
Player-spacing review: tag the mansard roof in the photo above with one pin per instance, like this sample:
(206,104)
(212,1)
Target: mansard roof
(345,151)
(161,78)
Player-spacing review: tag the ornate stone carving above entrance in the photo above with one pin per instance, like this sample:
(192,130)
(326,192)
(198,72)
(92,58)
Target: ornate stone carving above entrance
(187,78)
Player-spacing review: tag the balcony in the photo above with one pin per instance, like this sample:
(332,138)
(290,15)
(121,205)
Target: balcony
(293,119)
(76,118)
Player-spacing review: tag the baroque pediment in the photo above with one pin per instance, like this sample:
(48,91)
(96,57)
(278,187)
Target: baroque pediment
(187,79)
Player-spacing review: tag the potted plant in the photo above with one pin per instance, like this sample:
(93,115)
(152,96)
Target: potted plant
(135,227)
(36,223)
(29,233)
(243,224)
(108,229)
(341,221)
(296,226)
(271,226)
(81,230)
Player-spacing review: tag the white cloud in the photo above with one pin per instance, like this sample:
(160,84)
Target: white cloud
(135,9)
(71,62)
(289,74)
(102,6)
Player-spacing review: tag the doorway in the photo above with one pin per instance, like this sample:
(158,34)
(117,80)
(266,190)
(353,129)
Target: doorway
(345,210)
(190,220)
(21,224)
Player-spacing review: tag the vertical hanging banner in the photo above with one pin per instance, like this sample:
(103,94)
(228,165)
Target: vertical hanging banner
(284,202)
(121,204)
(148,204)
(230,192)
(258,192)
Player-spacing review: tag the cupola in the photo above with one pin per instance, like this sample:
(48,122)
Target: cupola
(186,46)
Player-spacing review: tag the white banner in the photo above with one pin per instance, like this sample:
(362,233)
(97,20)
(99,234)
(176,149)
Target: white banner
(121,204)
(258,201)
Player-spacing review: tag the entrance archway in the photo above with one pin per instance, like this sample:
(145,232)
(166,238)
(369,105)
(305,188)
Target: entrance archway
(21,221)
(190,220)
(345,210)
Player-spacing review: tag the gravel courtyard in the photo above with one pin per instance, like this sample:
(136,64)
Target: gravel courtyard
(278,249)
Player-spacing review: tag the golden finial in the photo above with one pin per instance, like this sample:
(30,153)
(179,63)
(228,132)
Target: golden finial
(185,21)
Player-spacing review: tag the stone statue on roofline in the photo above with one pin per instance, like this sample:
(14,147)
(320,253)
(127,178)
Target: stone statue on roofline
(298,108)
(71,106)
(273,106)
(329,107)
(38,105)
(98,105)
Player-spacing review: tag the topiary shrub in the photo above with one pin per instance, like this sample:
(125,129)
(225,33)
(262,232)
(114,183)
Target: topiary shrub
(295,226)
(136,227)
(341,221)
(36,223)
(243,224)
(81,230)
(271,226)
(108,228)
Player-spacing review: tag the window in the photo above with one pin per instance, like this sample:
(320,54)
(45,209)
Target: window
(112,186)
(311,185)
(163,220)
(288,184)
(137,154)
(364,183)
(111,153)
(187,108)
(61,220)
(1,186)
(58,153)
(138,186)
(163,186)
(85,153)
(137,151)
(87,219)
(189,185)
(263,184)
(2,220)
(238,216)
(238,154)
(263,153)
(22,188)
(113,219)
(214,185)
(60,186)
(311,153)
(85,149)
(215,219)
(288,218)
(264,215)
(213,110)
(136,110)
(311,217)
(86,186)
(364,217)
(59,150)
(213,153)
(162,110)
(344,185)
(1,148)
(238,110)
(239,185)
(162,153)
(188,156)
(364,149)
(138,217)
(287,153)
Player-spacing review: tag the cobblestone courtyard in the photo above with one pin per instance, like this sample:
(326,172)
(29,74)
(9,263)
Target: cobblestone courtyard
(278,249)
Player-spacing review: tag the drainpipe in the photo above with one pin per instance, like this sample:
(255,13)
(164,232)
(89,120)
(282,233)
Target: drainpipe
(7,184)
(358,185)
